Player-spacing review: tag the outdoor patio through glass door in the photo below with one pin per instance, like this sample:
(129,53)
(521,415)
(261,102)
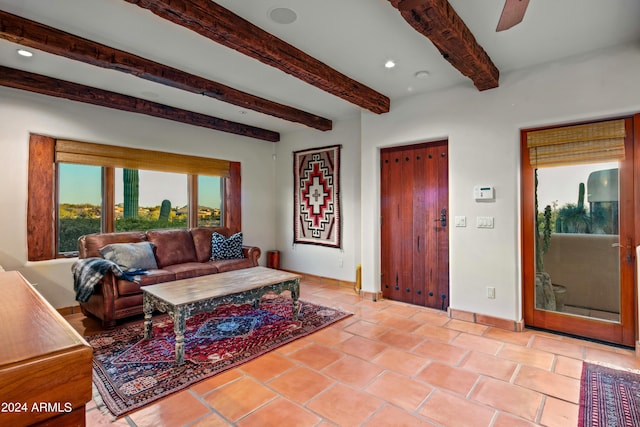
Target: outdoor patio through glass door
(578,234)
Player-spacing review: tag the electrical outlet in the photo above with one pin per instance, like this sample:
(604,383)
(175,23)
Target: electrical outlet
(491,292)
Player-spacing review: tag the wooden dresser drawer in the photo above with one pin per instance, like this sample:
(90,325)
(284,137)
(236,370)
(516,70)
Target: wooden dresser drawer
(45,365)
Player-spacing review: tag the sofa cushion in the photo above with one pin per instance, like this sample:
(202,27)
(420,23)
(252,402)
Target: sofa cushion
(89,245)
(131,256)
(172,246)
(126,287)
(192,269)
(226,248)
(202,240)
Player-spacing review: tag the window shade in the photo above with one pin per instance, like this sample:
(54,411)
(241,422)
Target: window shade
(591,143)
(133,158)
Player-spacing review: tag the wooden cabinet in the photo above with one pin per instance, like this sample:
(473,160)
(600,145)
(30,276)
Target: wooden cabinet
(45,365)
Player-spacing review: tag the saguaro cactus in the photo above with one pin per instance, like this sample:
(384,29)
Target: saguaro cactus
(538,244)
(581,196)
(131,189)
(165,209)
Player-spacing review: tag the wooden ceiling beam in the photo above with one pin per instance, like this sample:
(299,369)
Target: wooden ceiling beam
(213,21)
(47,39)
(18,79)
(437,20)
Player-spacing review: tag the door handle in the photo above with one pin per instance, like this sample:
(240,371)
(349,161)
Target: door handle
(628,247)
(443,218)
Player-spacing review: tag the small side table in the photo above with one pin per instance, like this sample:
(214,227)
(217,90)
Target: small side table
(273,259)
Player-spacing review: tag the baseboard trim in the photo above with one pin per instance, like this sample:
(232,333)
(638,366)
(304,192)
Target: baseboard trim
(66,311)
(324,280)
(483,319)
(373,296)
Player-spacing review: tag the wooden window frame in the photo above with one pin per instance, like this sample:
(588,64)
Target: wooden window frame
(42,185)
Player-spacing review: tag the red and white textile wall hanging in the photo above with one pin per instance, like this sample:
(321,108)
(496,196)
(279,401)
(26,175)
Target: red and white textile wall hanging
(316,205)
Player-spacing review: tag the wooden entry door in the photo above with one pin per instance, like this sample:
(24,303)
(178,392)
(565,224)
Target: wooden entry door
(415,224)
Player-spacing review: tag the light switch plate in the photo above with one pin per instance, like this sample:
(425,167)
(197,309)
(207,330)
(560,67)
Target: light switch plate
(461,221)
(484,222)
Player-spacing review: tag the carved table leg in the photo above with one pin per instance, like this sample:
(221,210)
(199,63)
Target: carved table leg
(295,294)
(178,328)
(147,307)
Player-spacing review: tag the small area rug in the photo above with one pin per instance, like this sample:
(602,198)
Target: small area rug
(609,397)
(130,372)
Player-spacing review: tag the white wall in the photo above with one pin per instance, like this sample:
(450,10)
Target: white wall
(23,112)
(321,261)
(483,133)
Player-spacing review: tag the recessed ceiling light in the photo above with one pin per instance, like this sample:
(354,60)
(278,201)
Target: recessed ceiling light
(25,53)
(389,64)
(282,15)
(421,74)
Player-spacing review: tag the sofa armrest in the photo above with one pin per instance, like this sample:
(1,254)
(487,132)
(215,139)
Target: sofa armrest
(109,296)
(253,253)
(109,286)
(102,303)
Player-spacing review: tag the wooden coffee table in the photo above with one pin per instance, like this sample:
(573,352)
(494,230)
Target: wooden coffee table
(184,298)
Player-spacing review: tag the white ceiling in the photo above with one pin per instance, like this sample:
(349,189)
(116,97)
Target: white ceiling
(355,37)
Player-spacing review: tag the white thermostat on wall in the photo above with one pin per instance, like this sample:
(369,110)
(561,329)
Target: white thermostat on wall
(483,192)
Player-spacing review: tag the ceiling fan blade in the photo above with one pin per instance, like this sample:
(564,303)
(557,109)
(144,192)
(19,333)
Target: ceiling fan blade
(512,14)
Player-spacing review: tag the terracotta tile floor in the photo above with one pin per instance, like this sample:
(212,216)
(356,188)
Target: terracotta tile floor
(390,364)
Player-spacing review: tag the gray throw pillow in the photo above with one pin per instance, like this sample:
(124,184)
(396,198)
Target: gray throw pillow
(226,248)
(131,256)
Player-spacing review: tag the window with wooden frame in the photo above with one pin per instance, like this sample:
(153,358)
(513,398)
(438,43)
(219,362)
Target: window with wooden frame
(78,188)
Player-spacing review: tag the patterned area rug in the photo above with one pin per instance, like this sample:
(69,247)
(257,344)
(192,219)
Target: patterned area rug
(130,372)
(609,397)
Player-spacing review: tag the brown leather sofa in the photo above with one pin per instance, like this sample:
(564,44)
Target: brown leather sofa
(179,253)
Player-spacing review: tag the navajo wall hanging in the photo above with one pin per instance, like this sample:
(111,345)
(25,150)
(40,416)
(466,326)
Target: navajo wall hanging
(317,216)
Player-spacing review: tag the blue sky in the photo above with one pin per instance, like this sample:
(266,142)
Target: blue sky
(81,184)
(561,183)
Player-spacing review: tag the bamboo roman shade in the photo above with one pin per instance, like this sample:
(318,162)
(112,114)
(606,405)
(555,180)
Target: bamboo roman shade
(590,143)
(134,158)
